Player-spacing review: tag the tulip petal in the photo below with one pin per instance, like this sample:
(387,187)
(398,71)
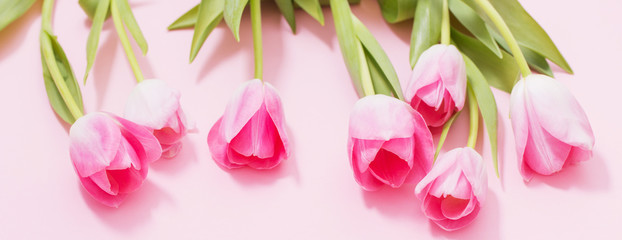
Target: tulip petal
(423,150)
(474,170)
(94,140)
(152,103)
(100,195)
(544,153)
(453,74)
(257,137)
(146,145)
(440,168)
(452,207)
(452,225)
(559,113)
(102,180)
(432,207)
(124,157)
(387,116)
(241,108)
(425,72)
(271,162)
(389,168)
(128,180)
(218,146)
(577,155)
(275,110)
(364,178)
(520,126)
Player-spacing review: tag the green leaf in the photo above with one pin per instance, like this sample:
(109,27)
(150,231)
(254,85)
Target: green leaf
(426,28)
(487,105)
(472,22)
(350,45)
(96,28)
(535,60)
(525,29)
(327,2)
(287,9)
(132,25)
(313,8)
(395,11)
(13,9)
(500,73)
(379,57)
(380,82)
(187,20)
(49,44)
(233,15)
(209,16)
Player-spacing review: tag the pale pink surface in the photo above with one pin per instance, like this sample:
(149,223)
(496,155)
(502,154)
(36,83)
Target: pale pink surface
(313,194)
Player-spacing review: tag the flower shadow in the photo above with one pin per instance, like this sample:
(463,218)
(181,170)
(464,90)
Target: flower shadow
(591,175)
(133,212)
(397,203)
(485,225)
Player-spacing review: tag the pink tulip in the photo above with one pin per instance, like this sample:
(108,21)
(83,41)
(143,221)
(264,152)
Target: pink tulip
(438,85)
(251,132)
(454,190)
(111,155)
(154,105)
(389,143)
(550,127)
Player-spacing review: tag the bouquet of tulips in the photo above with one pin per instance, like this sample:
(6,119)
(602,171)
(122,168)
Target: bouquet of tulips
(459,49)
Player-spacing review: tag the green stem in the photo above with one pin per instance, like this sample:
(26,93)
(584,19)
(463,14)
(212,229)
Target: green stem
(125,42)
(445,29)
(257,41)
(441,141)
(507,35)
(473,119)
(50,61)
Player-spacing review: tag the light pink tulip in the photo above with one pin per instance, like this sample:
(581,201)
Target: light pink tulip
(389,143)
(437,87)
(154,105)
(251,132)
(111,155)
(455,188)
(551,129)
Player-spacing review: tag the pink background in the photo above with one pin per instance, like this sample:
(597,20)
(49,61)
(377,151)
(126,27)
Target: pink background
(312,195)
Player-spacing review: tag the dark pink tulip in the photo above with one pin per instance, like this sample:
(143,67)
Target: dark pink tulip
(389,143)
(154,105)
(437,87)
(251,132)
(551,129)
(111,155)
(454,190)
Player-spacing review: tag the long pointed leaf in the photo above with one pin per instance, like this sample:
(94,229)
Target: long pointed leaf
(378,55)
(313,8)
(426,28)
(535,60)
(132,25)
(233,15)
(287,9)
(525,29)
(487,105)
(209,16)
(397,10)
(474,23)
(96,28)
(13,9)
(187,20)
(61,68)
(500,73)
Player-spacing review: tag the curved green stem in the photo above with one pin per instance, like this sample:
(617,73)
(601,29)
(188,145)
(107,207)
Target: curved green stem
(125,41)
(257,41)
(441,141)
(473,119)
(445,29)
(50,61)
(506,34)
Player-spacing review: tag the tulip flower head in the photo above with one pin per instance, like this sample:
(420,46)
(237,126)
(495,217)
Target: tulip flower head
(251,132)
(154,105)
(551,129)
(437,88)
(389,143)
(111,155)
(454,190)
